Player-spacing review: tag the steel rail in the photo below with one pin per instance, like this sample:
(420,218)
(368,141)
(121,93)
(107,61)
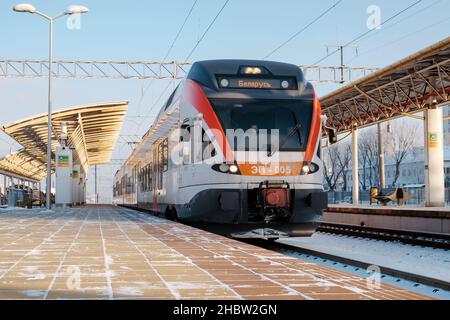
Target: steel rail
(433,240)
(418,279)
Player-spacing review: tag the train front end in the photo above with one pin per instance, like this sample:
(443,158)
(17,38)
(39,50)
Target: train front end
(258,172)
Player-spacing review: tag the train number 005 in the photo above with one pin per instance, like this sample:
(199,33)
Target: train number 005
(262,170)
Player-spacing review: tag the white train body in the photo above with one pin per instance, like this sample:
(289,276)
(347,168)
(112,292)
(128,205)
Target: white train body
(190,167)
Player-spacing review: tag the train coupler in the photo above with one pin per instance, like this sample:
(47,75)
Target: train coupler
(275,200)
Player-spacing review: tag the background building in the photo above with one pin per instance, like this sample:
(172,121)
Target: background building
(411,170)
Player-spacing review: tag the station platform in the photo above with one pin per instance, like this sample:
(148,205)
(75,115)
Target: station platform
(116,253)
(408,218)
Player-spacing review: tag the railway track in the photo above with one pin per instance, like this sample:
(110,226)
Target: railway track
(433,240)
(438,241)
(349,264)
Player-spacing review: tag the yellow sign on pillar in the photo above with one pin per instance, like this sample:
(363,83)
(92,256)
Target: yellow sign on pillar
(63,162)
(433,140)
(75,174)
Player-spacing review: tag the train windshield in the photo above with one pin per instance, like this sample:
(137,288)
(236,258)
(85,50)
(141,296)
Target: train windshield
(292,119)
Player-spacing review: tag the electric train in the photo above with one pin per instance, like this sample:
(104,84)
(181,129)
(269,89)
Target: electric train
(235,149)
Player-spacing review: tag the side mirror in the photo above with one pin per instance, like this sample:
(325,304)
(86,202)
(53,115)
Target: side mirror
(332,136)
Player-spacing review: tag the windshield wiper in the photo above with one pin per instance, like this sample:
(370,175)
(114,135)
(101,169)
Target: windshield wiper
(290,134)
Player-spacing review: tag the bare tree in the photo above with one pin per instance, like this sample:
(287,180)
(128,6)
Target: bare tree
(344,160)
(373,160)
(364,155)
(369,159)
(337,160)
(400,144)
(330,166)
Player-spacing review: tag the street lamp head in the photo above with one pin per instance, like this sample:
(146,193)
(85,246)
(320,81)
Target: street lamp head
(24,7)
(76,10)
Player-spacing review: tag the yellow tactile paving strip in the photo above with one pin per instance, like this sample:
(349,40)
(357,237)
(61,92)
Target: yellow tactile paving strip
(114,253)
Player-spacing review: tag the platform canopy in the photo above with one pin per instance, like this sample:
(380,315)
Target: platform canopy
(92,130)
(411,85)
(22,164)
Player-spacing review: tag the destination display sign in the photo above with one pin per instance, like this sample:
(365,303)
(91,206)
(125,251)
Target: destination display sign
(257,83)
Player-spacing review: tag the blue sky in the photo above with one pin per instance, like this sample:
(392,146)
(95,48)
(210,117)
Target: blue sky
(143,30)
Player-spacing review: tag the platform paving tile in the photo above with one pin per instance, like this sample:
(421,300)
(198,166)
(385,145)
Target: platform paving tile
(115,253)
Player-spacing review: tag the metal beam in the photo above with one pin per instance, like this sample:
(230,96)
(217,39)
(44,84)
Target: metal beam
(404,88)
(146,70)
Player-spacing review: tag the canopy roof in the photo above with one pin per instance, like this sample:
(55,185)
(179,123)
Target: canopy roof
(22,164)
(92,131)
(411,85)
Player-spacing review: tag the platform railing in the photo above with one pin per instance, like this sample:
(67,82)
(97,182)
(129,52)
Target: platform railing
(418,194)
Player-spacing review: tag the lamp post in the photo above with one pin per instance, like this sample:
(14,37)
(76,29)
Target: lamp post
(28,8)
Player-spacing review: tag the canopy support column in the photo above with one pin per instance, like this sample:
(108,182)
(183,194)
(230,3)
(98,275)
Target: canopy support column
(355,164)
(381,156)
(434,158)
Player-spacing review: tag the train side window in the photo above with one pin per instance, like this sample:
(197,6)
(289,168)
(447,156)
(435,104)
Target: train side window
(149,180)
(319,150)
(172,96)
(145,181)
(165,163)
(185,135)
(132,180)
(160,165)
(144,178)
(207,147)
(150,177)
(185,139)
(130,183)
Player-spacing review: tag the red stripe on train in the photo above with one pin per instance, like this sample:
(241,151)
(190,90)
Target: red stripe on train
(315,130)
(194,94)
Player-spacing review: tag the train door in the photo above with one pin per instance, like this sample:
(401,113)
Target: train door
(186,169)
(160,154)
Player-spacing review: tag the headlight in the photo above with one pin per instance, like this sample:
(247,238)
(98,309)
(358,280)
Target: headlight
(310,168)
(306,169)
(227,168)
(224,83)
(313,167)
(234,168)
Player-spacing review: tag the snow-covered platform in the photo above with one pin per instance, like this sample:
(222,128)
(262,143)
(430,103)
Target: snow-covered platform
(115,253)
(408,218)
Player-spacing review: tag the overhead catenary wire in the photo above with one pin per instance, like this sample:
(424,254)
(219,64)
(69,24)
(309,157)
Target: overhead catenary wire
(191,52)
(180,30)
(295,35)
(172,45)
(153,106)
(367,32)
(410,34)
(396,41)
(421,10)
(206,31)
